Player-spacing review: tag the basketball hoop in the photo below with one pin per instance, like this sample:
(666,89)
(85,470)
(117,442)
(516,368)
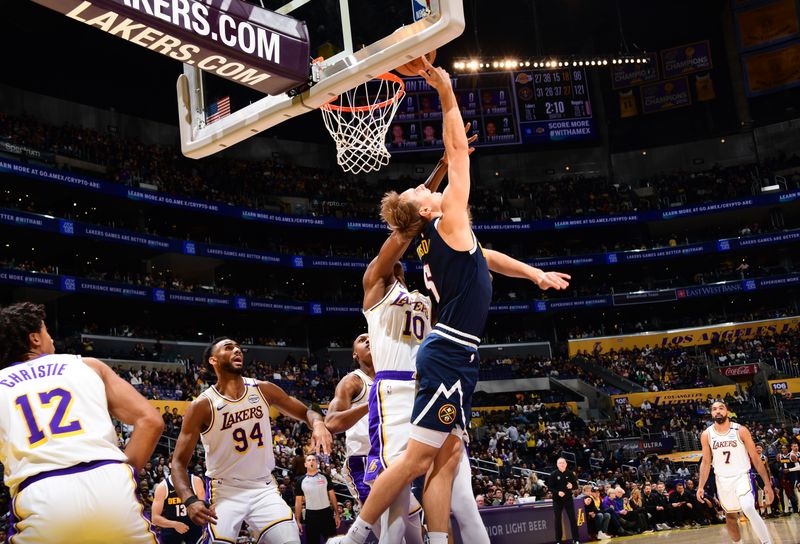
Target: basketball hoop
(358,120)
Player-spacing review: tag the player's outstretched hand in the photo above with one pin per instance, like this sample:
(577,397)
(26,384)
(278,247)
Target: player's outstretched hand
(552,280)
(470,140)
(321,439)
(436,77)
(700,495)
(200,514)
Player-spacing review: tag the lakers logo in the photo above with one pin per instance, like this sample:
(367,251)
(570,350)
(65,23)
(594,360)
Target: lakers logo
(373,466)
(447,414)
(581,517)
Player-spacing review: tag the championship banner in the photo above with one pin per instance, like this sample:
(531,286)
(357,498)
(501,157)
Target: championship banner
(738,371)
(676,396)
(704,87)
(767,24)
(627,104)
(247,44)
(666,95)
(630,74)
(695,336)
(693,57)
(773,70)
(790,385)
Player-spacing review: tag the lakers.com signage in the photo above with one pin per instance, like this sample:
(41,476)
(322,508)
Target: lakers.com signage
(790,385)
(676,396)
(229,38)
(696,336)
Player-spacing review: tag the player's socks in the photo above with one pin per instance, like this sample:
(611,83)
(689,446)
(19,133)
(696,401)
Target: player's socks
(358,532)
(437,538)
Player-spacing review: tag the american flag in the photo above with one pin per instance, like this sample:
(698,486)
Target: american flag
(219,109)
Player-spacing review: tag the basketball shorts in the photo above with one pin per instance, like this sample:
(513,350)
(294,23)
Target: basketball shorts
(170,536)
(258,503)
(447,373)
(730,490)
(94,504)
(355,469)
(390,401)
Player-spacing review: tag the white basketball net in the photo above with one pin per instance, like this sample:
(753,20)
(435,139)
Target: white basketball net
(358,121)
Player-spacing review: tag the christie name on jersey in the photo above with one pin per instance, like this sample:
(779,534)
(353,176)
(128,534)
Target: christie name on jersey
(233,418)
(40,371)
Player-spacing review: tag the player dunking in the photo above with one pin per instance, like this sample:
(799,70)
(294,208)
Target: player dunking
(447,362)
(389,420)
(69,481)
(232,419)
(730,449)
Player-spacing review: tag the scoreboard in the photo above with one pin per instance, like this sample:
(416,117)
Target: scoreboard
(504,108)
(553,105)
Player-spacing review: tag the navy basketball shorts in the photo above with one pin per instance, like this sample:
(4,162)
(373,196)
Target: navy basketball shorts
(447,373)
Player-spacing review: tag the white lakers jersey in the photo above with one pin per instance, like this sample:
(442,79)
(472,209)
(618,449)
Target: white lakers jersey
(728,453)
(396,326)
(356,438)
(238,443)
(55,417)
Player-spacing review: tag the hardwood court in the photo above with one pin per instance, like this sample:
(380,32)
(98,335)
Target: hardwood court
(783,530)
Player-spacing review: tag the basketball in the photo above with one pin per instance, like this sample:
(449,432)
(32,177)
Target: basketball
(411,69)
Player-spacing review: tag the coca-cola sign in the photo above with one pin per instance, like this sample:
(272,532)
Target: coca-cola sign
(739,370)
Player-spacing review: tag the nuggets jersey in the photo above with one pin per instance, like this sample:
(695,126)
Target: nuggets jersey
(459,282)
(356,438)
(728,453)
(55,417)
(238,443)
(397,325)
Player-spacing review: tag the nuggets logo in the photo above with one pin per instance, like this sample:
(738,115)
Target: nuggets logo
(447,414)
(373,466)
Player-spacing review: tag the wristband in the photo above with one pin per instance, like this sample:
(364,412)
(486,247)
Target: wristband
(191,500)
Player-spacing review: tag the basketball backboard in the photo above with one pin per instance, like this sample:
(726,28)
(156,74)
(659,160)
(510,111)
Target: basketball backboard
(357,39)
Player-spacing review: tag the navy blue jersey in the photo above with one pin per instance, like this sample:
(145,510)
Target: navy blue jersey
(174,510)
(459,282)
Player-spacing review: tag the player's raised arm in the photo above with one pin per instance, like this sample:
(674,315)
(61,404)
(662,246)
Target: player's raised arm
(341,415)
(511,267)
(320,436)
(755,459)
(128,406)
(196,419)
(455,225)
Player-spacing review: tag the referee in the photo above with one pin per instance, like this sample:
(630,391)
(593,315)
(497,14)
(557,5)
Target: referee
(322,514)
(561,483)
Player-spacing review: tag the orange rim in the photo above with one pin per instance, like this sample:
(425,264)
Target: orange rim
(352,109)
